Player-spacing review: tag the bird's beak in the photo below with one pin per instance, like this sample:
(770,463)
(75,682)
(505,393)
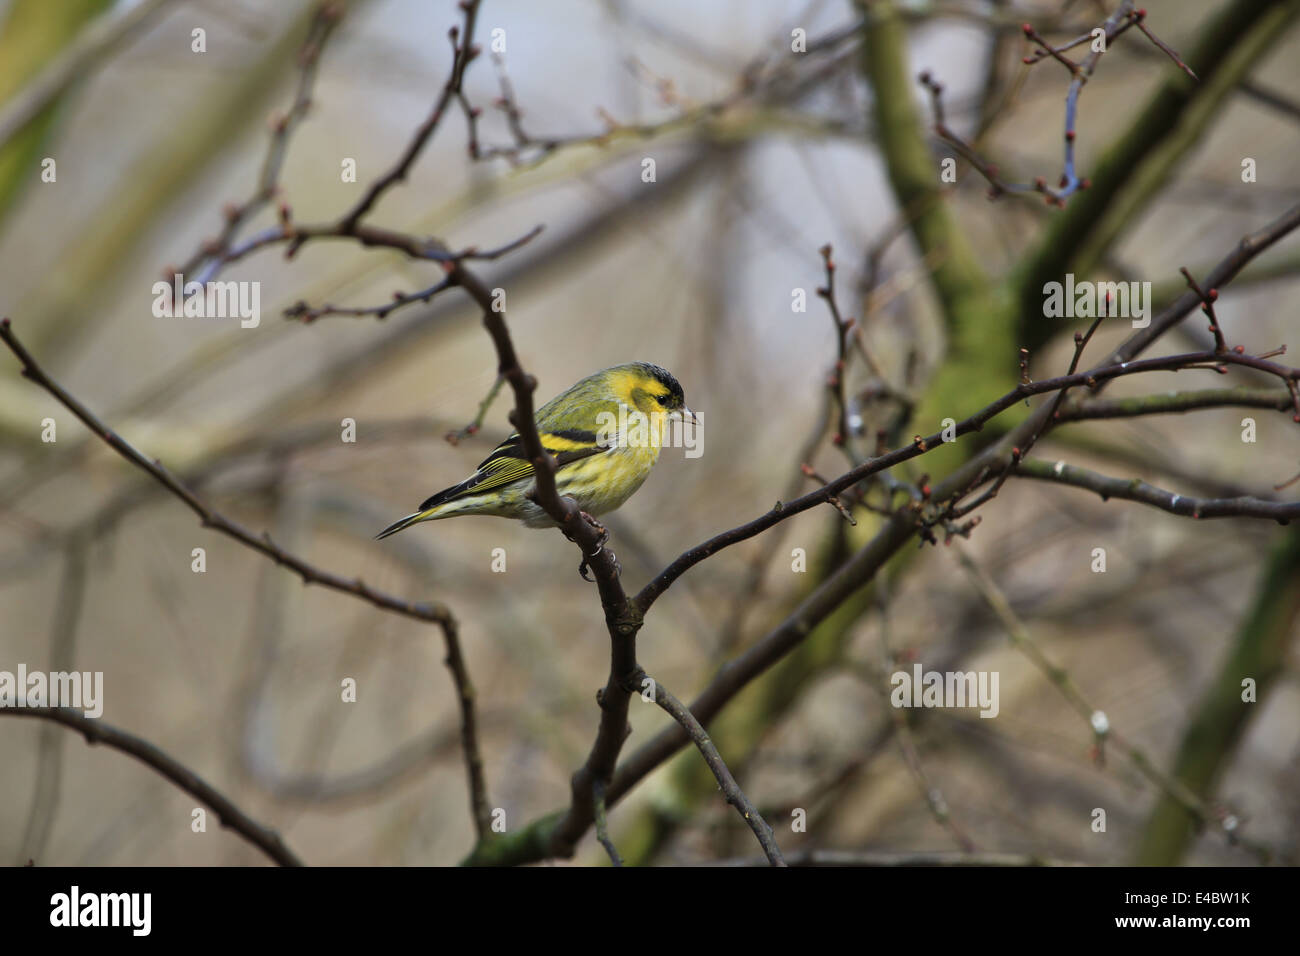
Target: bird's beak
(689,416)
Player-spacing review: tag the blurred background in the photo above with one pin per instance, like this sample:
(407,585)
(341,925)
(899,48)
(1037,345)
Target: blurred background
(762,156)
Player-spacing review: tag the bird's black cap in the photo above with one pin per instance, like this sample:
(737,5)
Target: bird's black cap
(665,378)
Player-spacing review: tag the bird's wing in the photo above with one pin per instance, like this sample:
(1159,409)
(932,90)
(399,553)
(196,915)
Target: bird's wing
(509,463)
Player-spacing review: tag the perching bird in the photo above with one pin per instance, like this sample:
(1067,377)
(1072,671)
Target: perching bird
(605,433)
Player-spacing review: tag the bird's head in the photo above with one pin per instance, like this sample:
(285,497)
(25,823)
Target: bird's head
(649,389)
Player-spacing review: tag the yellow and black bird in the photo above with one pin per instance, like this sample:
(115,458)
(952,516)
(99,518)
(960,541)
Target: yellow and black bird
(605,433)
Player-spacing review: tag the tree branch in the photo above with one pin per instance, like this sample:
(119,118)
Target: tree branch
(433,612)
(1137,490)
(430,612)
(97,732)
(730,789)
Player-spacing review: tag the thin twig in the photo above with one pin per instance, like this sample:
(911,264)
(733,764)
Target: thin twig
(328,15)
(730,789)
(478,796)
(433,612)
(463,51)
(842,437)
(1136,490)
(48,779)
(1208,298)
(460,434)
(1098,723)
(75,62)
(602,824)
(1139,17)
(1165,403)
(1121,19)
(97,732)
(860,858)
(920,445)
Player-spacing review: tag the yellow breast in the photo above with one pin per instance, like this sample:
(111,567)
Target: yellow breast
(603,482)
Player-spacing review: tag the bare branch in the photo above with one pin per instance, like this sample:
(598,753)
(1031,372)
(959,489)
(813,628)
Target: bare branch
(1137,490)
(463,51)
(538,839)
(328,15)
(1165,403)
(859,858)
(478,797)
(434,612)
(1103,733)
(97,732)
(430,612)
(602,824)
(919,446)
(730,789)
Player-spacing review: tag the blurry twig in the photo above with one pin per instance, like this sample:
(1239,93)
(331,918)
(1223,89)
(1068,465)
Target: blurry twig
(49,768)
(758,77)
(455,437)
(1103,732)
(602,824)
(1220,719)
(1133,489)
(327,18)
(1164,403)
(860,858)
(216,254)
(526,148)
(75,62)
(843,327)
(1120,20)
(372,782)
(879,681)
(468,732)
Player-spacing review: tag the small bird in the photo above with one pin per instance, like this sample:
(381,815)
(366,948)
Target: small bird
(605,433)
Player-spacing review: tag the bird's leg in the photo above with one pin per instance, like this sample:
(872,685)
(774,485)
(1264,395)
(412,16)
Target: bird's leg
(604,532)
(582,568)
(600,543)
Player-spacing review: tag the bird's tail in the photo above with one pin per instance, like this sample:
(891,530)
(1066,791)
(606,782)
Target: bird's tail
(448,502)
(409,520)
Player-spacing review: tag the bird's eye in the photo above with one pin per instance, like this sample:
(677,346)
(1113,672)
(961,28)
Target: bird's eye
(662,400)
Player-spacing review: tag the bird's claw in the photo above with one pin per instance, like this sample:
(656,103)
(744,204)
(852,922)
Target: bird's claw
(601,530)
(584,566)
(600,546)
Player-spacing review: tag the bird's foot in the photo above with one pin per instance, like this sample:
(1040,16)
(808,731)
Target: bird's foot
(600,546)
(604,532)
(582,568)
